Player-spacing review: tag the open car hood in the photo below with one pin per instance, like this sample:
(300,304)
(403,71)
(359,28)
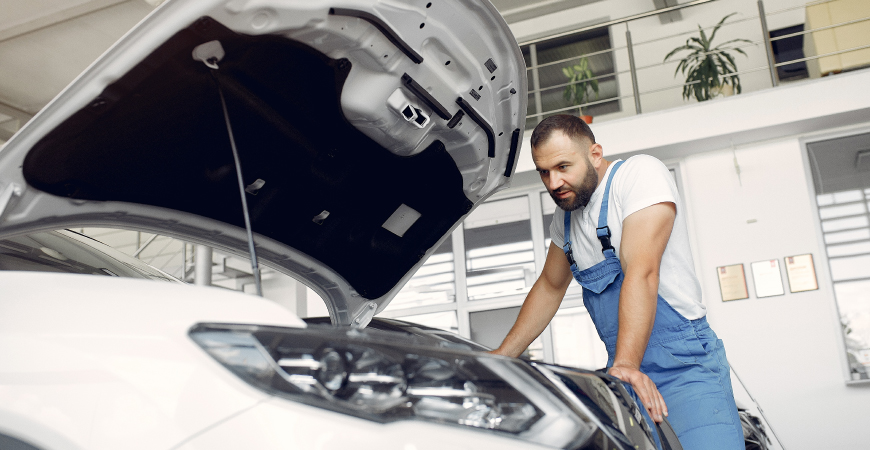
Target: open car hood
(366,132)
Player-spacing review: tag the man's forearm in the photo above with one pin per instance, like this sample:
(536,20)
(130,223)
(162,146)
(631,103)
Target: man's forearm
(645,235)
(538,309)
(637,311)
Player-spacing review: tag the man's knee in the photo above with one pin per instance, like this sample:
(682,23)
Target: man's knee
(706,418)
(713,437)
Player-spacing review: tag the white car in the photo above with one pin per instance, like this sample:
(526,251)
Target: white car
(340,142)
(393,371)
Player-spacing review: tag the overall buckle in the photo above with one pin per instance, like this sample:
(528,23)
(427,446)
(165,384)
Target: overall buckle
(604,236)
(569,253)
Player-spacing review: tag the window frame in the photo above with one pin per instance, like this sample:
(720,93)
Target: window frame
(533,72)
(823,267)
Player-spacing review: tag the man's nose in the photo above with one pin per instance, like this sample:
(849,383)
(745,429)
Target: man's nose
(554,181)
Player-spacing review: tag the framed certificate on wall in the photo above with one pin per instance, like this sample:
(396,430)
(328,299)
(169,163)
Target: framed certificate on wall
(767,278)
(732,282)
(801,273)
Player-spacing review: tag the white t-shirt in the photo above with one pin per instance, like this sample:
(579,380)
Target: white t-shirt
(640,182)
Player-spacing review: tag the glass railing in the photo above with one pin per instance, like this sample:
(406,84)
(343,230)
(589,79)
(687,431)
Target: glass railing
(738,48)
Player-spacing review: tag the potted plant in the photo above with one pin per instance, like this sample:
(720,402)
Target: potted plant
(709,70)
(582,85)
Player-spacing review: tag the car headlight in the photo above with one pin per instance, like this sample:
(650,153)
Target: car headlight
(375,376)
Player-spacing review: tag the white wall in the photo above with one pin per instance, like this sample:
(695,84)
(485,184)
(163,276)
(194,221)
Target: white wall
(786,348)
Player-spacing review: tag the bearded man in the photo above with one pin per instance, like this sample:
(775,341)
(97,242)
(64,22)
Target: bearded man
(620,231)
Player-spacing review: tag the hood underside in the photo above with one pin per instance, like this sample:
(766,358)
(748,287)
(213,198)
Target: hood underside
(283,98)
(346,191)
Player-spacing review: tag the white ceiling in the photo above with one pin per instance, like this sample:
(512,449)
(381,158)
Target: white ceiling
(519,10)
(45,44)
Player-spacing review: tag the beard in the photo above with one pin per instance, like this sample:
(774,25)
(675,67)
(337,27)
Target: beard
(582,193)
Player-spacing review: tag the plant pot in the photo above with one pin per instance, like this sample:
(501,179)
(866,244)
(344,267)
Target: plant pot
(725,90)
(587,119)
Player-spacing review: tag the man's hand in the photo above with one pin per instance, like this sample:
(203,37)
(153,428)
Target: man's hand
(645,389)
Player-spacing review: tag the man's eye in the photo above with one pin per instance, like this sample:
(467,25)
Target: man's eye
(563,167)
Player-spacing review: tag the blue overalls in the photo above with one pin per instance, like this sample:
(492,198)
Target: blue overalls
(684,358)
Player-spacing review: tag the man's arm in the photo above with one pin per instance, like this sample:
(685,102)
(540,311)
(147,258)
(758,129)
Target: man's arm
(645,234)
(540,305)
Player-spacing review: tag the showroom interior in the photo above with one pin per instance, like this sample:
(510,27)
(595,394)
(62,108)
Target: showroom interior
(774,172)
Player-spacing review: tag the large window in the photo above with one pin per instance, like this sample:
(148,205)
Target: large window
(548,208)
(575,341)
(490,327)
(841,174)
(445,320)
(550,85)
(789,49)
(433,284)
(499,256)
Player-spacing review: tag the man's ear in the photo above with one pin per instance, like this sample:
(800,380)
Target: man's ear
(596,155)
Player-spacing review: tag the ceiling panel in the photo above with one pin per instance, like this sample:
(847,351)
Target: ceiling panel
(36,65)
(20,17)
(518,10)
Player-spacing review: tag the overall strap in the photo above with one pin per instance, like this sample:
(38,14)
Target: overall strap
(603,231)
(567,247)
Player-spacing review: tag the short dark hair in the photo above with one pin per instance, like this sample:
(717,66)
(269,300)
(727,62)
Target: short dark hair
(573,127)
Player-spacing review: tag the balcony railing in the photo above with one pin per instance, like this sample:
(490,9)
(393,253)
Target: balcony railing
(648,82)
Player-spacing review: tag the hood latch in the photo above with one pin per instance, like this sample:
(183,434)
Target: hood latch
(364,315)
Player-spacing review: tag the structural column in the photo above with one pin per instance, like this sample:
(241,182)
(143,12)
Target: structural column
(202,269)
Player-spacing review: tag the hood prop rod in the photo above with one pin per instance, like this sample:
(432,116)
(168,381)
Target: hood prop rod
(255,268)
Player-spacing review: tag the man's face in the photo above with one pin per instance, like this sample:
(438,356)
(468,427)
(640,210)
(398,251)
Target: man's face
(566,171)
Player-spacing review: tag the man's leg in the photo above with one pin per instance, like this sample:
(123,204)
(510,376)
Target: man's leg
(695,381)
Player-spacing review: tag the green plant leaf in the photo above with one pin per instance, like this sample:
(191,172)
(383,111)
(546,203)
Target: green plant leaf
(582,84)
(706,70)
(703,41)
(735,40)
(716,28)
(703,45)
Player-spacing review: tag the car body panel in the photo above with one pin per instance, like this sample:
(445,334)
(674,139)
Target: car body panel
(436,336)
(278,424)
(124,373)
(106,362)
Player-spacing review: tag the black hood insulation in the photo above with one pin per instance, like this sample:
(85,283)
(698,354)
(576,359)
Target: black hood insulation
(157,137)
